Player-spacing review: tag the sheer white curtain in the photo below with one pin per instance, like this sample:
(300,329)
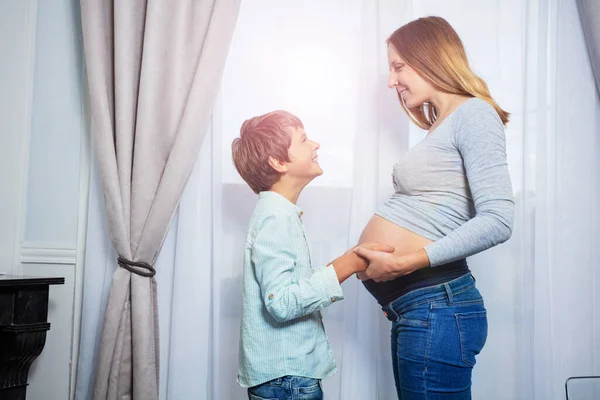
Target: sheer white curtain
(325,62)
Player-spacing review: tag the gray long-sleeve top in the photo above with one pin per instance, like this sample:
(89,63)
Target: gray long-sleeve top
(453,187)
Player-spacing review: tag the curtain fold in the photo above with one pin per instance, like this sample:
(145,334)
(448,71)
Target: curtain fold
(154,70)
(589,11)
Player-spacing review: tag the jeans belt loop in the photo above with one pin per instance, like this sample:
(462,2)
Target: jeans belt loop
(449,293)
(390,313)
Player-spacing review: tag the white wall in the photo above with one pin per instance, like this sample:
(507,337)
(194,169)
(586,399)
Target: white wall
(56,204)
(17,40)
(44,170)
(57,126)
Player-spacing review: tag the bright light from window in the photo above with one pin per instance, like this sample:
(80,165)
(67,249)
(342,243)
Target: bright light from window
(307,63)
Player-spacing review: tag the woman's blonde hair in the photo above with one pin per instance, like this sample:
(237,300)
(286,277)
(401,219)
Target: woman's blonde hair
(433,49)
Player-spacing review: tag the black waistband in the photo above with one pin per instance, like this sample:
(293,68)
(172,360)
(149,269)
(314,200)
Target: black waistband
(386,292)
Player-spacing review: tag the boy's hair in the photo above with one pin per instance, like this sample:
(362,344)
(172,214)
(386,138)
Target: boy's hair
(261,137)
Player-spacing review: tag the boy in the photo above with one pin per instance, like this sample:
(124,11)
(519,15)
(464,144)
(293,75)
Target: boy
(284,351)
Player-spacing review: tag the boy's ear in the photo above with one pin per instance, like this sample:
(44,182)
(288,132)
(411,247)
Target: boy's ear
(278,165)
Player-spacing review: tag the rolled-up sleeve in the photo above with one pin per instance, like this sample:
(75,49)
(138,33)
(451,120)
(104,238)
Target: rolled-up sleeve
(274,257)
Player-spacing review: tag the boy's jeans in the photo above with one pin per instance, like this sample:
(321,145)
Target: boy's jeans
(287,388)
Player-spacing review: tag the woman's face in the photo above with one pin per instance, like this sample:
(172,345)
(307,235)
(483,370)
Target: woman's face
(413,89)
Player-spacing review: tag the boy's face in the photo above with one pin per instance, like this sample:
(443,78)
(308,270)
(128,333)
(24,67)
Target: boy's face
(303,162)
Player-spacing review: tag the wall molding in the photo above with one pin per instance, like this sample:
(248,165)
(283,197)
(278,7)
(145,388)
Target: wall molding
(48,253)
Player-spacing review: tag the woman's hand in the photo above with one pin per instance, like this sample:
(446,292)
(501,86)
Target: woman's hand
(386,267)
(350,263)
(369,246)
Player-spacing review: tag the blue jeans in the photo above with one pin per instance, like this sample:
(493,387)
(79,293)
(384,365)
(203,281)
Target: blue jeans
(436,333)
(287,388)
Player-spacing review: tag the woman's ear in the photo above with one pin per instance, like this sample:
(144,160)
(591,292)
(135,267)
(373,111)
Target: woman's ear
(278,165)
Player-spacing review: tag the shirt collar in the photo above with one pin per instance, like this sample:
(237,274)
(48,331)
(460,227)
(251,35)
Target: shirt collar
(281,201)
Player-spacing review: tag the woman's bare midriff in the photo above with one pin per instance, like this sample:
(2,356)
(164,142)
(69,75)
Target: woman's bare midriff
(385,232)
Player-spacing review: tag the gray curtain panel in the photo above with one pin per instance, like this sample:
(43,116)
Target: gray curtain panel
(154,70)
(589,10)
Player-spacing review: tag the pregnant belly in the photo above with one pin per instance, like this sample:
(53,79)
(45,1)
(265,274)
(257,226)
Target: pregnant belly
(383,231)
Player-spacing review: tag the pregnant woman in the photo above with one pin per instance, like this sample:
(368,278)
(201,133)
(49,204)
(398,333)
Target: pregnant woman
(453,199)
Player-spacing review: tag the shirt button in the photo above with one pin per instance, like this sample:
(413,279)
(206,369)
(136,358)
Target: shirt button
(271,296)
(333,299)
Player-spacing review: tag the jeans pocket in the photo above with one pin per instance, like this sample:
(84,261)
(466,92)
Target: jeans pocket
(311,388)
(313,392)
(271,390)
(418,316)
(472,330)
(255,397)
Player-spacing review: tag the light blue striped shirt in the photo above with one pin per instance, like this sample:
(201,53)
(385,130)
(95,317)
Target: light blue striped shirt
(282,329)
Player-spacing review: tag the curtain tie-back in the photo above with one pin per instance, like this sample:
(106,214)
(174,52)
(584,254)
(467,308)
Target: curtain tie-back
(132,266)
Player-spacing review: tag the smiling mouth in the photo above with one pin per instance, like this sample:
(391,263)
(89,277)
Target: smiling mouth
(315,160)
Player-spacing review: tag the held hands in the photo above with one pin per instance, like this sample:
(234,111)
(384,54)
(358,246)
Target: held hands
(384,266)
(351,262)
